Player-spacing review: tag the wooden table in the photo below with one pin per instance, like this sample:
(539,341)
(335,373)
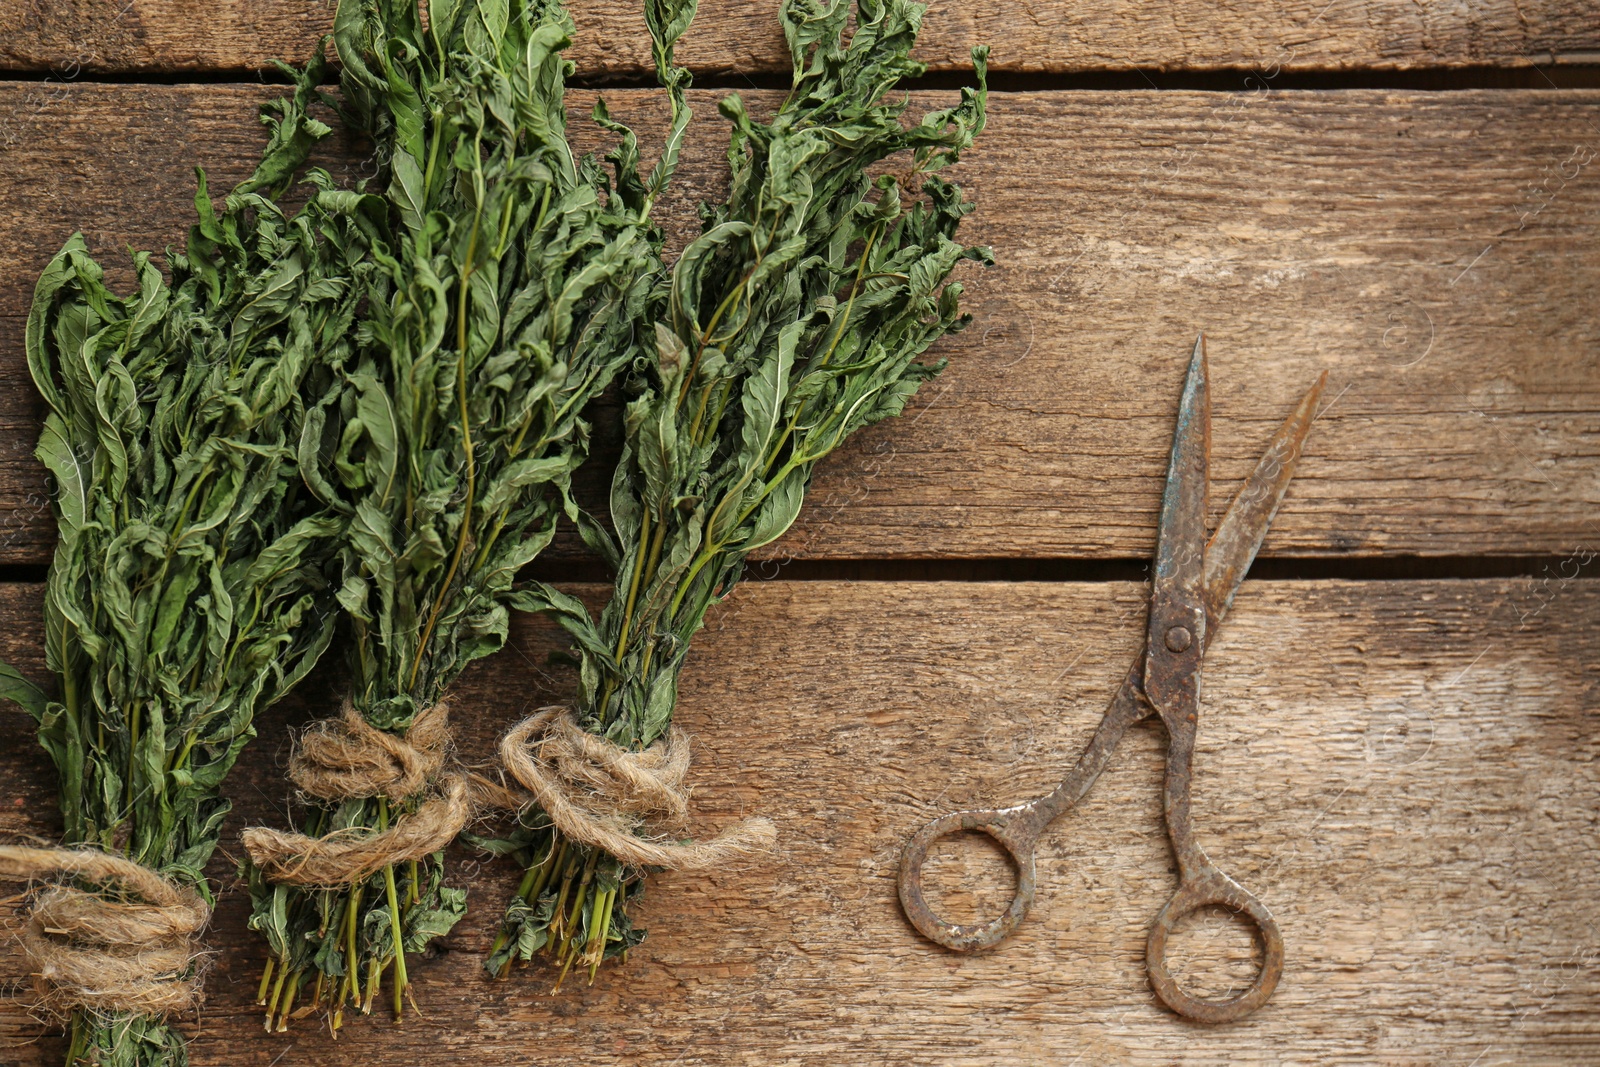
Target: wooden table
(1403,714)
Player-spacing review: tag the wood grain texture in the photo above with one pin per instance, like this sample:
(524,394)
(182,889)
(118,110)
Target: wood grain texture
(734,37)
(1405,772)
(1438,253)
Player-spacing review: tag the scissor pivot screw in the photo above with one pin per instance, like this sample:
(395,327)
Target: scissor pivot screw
(1179,639)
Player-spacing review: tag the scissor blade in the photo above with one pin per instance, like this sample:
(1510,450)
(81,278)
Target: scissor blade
(1238,538)
(1181,537)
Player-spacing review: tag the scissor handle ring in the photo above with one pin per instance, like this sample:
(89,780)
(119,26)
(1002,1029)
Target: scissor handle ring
(1017,840)
(1214,887)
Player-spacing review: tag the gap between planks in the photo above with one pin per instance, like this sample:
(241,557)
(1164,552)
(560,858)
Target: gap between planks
(735,37)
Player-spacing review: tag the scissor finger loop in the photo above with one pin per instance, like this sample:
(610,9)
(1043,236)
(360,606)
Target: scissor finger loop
(1212,888)
(1016,830)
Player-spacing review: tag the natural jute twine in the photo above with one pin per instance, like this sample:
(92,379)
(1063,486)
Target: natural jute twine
(346,758)
(88,950)
(608,797)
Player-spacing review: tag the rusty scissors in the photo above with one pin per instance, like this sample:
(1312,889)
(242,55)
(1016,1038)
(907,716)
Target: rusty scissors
(1193,586)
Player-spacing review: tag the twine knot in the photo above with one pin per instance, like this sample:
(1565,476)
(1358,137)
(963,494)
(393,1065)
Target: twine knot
(609,797)
(89,950)
(348,758)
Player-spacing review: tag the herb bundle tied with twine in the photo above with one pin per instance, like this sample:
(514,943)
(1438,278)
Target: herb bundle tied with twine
(190,584)
(797,317)
(510,280)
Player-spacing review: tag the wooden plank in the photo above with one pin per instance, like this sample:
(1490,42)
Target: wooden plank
(735,37)
(1438,253)
(1407,773)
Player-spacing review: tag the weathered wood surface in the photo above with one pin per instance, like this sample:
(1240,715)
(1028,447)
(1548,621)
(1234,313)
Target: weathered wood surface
(1438,253)
(734,37)
(1405,772)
